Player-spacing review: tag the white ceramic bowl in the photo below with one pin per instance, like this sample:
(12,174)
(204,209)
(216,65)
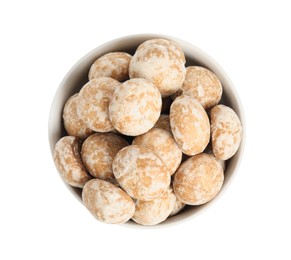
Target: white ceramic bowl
(78,76)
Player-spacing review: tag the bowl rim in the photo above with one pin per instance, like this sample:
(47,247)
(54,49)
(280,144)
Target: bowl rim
(180,218)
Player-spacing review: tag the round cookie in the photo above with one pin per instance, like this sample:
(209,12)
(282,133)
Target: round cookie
(162,143)
(98,152)
(72,122)
(107,203)
(198,180)
(68,161)
(190,125)
(160,65)
(179,205)
(164,123)
(226,132)
(155,211)
(93,102)
(203,85)
(114,65)
(173,46)
(135,107)
(140,172)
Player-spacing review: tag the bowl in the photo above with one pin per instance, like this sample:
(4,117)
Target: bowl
(78,76)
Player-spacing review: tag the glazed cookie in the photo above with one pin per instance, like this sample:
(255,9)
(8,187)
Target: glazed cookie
(98,151)
(190,125)
(173,46)
(179,205)
(114,65)
(164,123)
(198,180)
(107,203)
(226,132)
(160,65)
(202,84)
(72,123)
(93,101)
(162,143)
(140,172)
(155,211)
(135,107)
(68,161)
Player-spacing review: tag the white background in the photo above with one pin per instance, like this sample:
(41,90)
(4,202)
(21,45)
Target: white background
(41,40)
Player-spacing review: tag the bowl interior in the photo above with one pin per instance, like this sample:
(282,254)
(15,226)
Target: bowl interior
(78,76)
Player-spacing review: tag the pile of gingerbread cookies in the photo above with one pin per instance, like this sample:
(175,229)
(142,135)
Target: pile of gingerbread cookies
(147,135)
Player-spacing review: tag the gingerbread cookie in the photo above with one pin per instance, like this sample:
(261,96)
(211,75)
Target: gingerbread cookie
(140,172)
(163,144)
(107,203)
(68,161)
(198,180)
(190,125)
(226,132)
(98,152)
(73,124)
(203,85)
(135,107)
(114,65)
(159,64)
(93,102)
